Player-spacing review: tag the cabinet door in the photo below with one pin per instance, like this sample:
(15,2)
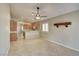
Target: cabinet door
(13,30)
(13,36)
(13,25)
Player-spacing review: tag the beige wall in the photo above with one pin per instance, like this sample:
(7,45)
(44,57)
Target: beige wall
(68,37)
(4,29)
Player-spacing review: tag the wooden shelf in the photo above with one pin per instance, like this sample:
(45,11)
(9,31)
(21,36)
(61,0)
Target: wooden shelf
(62,23)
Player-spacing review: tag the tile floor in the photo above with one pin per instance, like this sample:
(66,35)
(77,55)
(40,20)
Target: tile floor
(39,47)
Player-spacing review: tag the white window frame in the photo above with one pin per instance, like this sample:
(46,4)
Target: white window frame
(45,27)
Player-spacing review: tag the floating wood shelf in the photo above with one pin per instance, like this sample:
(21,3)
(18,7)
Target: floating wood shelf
(63,23)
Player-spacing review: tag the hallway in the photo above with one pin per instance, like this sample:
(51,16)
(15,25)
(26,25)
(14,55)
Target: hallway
(39,47)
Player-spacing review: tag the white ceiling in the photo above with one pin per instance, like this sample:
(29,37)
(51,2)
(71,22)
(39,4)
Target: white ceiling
(23,11)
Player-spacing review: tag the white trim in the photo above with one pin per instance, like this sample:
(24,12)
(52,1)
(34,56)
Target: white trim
(8,50)
(63,45)
(13,31)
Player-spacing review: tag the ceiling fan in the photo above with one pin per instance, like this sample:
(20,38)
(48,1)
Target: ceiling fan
(37,14)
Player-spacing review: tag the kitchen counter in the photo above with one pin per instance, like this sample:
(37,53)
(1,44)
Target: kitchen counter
(32,34)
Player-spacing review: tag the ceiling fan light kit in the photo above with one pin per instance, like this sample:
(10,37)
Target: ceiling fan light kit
(37,15)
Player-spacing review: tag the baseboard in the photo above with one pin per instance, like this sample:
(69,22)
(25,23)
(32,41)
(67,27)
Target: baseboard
(5,53)
(63,45)
(8,50)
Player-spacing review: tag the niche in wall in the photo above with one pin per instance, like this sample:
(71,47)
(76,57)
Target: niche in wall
(35,26)
(62,24)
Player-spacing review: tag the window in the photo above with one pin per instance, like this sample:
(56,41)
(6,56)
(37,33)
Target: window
(45,27)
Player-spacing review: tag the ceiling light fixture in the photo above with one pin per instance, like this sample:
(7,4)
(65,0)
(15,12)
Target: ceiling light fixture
(37,15)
